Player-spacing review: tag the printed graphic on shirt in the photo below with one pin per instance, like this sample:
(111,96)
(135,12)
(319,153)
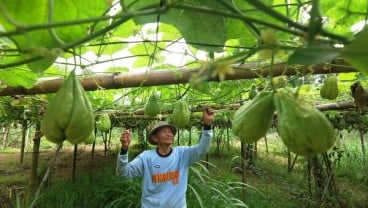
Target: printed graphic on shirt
(172,176)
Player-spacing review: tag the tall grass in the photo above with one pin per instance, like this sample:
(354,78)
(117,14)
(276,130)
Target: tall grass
(94,189)
(103,189)
(204,190)
(217,183)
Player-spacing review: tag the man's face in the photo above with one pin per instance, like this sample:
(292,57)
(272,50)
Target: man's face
(163,135)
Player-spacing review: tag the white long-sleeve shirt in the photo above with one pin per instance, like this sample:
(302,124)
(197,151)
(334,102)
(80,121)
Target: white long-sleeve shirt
(165,178)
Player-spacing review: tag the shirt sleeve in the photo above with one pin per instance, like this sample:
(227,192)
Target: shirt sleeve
(127,169)
(198,151)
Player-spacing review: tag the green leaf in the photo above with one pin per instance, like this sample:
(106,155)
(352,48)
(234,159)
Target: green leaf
(347,76)
(356,53)
(315,53)
(204,31)
(169,32)
(250,11)
(143,53)
(236,29)
(24,13)
(340,17)
(41,65)
(126,29)
(18,77)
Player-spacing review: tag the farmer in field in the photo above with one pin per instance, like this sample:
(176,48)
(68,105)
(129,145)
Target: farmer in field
(164,169)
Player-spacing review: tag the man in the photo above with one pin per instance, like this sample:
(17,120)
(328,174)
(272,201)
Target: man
(164,169)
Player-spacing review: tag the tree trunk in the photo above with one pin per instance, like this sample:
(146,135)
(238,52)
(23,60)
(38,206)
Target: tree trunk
(93,148)
(228,138)
(32,183)
(74,161)
(309,176)
(250,155)
(244,167)
(319,178)
(110,135)
(24,132)
(190,137)
(104,138)
(266,143)
(178,137)
(289,160)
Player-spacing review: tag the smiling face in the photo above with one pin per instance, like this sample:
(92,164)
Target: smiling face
(163,136)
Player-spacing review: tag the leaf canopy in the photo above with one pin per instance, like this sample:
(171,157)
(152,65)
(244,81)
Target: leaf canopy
(55,37)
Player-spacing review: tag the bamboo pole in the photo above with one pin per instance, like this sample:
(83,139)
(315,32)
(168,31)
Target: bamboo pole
(139,114)
(168,77)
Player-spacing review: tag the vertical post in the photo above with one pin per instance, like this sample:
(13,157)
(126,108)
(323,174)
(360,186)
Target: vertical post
(24,133)
(178,138)
(34,163)
(93,147)
(74,161)
(190,136)
(266,143)
(244,167)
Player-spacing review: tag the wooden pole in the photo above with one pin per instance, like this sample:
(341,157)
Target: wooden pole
(23,145)
(74,162)
(34,163)
(168,77)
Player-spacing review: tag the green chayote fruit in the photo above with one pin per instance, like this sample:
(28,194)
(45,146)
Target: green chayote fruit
(181,114)
(90,139)
(303,128)
(103,124)
(252,120)
(69,116)
(152,108)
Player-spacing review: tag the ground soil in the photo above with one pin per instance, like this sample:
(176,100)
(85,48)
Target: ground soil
(14,176)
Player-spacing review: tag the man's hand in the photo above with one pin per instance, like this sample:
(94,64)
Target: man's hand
(125,139)
(208,115)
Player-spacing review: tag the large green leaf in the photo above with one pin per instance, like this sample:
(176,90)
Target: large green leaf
(356,53)
(315,53)
(18,77)
(144,52)
(204,31)
(20,13)
(237,29)
(126,29)
(250,11)
(340,15)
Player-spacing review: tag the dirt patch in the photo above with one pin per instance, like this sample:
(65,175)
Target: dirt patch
(14,176)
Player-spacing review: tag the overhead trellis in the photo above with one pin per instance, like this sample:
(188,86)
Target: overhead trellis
(38,37)
(218,40)
(178,76)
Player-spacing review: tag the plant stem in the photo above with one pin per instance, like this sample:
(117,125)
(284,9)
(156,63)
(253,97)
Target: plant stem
(46,176)
(50,20)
